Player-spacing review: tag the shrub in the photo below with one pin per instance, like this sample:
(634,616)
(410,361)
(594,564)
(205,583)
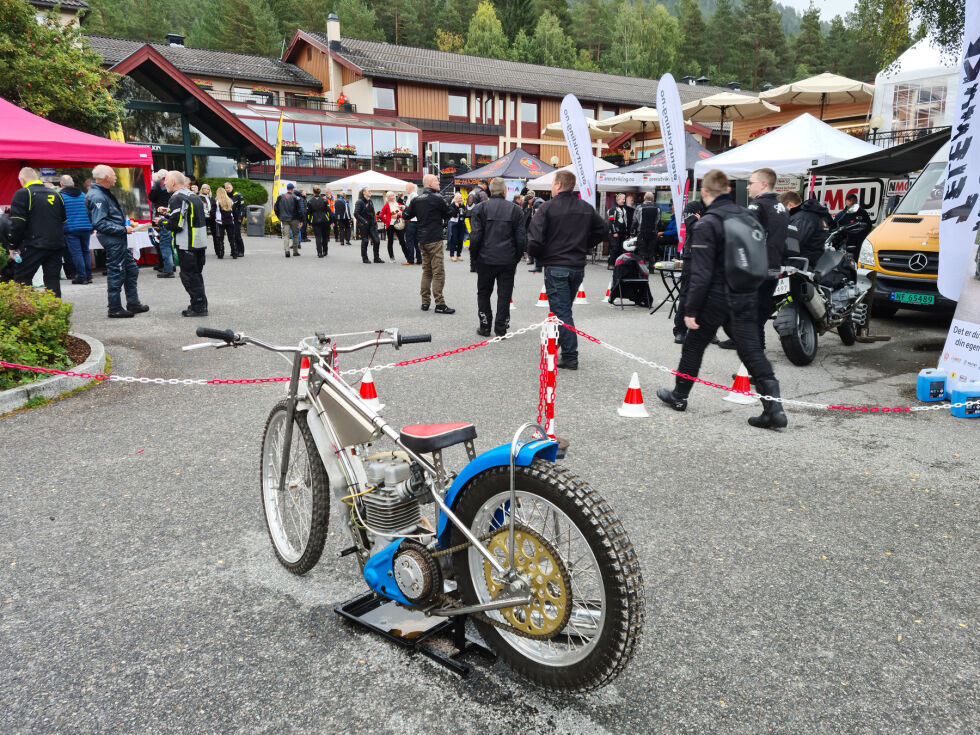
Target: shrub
(33,328)
(272,228)
(253,191)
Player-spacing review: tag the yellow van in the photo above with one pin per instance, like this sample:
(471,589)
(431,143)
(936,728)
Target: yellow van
(904,249)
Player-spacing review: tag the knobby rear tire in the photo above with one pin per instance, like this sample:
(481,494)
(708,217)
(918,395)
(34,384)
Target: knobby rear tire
(616,561)
(801,346)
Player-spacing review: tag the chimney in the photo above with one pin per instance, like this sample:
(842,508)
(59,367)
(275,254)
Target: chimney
(688,79)
(702,81)
(333,30)
(734,86)
(175,39)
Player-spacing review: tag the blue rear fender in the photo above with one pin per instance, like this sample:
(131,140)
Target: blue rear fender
(497,457)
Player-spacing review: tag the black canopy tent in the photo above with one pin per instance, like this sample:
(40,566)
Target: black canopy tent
(891,162)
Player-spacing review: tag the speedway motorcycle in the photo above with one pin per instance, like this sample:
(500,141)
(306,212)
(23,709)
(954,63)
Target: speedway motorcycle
(529,551)
(833,294)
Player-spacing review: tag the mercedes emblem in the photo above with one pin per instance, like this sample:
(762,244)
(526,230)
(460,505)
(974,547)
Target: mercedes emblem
(918,262)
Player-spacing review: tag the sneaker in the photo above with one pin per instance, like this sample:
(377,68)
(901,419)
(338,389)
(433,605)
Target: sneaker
(674,401)
(287,255)
(565,364)
(137,307)
(500,332)
(483,332)
(297,254)
(443,309)
(193,312)
(165,275)
(120,313)
(78,281)
(425,307)
(365,260)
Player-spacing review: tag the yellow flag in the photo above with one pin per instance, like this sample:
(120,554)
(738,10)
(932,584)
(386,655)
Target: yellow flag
(275,178)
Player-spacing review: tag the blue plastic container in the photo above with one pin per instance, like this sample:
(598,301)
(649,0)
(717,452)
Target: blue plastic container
(966,392)
(931,385)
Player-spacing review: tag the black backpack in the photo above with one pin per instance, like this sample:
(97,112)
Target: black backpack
(746,259)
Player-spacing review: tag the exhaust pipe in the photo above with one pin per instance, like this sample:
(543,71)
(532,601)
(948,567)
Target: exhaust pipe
(811,299)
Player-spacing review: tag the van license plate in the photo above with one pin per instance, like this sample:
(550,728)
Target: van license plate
(913,298)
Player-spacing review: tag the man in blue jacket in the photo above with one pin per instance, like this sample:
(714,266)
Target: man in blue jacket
(110,225)
(78,229)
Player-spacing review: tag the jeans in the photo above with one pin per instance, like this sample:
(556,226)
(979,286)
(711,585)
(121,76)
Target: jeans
(49,261)
(740,311)
(412,242)
(433,271)
(122,271)
(77,242)
(192,276)
(166,250)
(486,277)
(561,284)
(290,231)
(456,230)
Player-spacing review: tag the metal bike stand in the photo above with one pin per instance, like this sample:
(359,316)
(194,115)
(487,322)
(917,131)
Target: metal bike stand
(412,629)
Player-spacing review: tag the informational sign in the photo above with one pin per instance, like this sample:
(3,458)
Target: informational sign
(576,129)
(959,269)
(46,171)
(868,191)
(787,183)
(675,146)
(514,187)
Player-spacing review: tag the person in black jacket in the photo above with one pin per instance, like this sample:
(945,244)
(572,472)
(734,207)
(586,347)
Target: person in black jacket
(810,224)
(774,219)
(37,234)
(692,214)
(851,213)
(303,203)
(238,211)
(561,235)
(318,215)
(618,229)
(646,222)
(368,220)
(709,303)
(532,203)
(287,209)
(431,211)
(164,245)
(342,218)
(497,243)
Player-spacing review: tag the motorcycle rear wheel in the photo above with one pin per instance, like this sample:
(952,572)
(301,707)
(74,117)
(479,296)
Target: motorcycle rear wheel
(846,332)
(800,346)
(600,575)
(295,517)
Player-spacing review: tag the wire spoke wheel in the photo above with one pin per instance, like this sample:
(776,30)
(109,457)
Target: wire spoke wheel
(296,510)
(586,609)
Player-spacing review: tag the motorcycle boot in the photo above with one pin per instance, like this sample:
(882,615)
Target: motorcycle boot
(772,416)
(677,398)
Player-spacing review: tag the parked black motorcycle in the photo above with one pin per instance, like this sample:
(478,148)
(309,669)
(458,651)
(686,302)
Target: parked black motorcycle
(834,294)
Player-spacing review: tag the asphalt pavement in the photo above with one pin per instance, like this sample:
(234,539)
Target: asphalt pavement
(822,579)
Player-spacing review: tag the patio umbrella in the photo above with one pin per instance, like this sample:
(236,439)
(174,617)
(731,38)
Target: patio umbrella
(820,90)
(595,131)
(632,121)
(727,105)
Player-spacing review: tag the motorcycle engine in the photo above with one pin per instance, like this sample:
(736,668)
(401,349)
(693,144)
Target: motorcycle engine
(393,507)
(842,298)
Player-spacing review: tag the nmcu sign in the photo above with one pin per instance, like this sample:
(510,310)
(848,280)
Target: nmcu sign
(868,191)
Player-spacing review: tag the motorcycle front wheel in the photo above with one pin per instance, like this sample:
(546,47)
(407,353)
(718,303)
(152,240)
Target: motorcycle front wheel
(585,617)
(800,346)
(846,332)
(295,514)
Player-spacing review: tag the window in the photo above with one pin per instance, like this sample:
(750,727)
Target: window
(406,151)
(360,139)
(916,106)
(309,53)
(384,146)
(484,154)
(248,94)
(308,137)
(454,156)
(606,114)
(384,98)
(257,126)
(488,110)
(589,112)
(529,112)
(459,105)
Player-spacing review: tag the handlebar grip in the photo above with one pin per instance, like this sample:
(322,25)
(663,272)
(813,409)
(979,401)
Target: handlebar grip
(225,334)
(407,339)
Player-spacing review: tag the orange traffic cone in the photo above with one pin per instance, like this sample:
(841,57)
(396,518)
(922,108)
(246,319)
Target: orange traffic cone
(368,393)
(543,297)
(580,297)
(741,384)
(511,303)
(633,403)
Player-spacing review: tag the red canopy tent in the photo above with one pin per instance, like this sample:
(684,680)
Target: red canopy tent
(29,140)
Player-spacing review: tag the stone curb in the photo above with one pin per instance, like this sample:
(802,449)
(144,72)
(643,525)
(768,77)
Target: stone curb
(56,385)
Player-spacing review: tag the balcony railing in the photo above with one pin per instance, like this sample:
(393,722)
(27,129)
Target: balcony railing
(897,137)
(280,99)
(316,164)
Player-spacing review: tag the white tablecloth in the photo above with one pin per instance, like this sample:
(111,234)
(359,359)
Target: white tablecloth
(137,241)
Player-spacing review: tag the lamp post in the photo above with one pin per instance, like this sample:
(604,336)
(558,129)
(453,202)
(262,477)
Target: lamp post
(875,123)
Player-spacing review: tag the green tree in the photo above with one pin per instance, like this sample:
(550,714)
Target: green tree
(692,53)
(420,19)
(449,41)
(837,46)
(244,26)
(558,8)
(457,16)
(106,18)
(523,48)
(663,36)
(591,26)
(880,32)
(551,46)
(486,36)
(808,50)
(764,55)
(943,19)
(357,20)
(724,30)
(50,71)
(515,15)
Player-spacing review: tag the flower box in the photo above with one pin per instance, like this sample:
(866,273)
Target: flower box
(448,170)
(345,150)
(402,151)
(203,83)
(315,95)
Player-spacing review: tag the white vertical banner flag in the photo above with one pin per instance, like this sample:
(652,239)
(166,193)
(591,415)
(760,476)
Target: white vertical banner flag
(959,269)
(675,147)
(576,129)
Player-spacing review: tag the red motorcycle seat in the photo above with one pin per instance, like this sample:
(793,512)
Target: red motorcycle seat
(422,438)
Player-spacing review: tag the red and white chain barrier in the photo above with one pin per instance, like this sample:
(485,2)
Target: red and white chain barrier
(547,384)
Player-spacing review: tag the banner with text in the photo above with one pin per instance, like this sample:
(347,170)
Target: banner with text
(675,147)
(576,129)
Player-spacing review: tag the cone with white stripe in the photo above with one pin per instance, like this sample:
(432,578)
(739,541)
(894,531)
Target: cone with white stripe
(633,403)
(543,297)
(580,297)
(741,383)
(368,392)
(608,289)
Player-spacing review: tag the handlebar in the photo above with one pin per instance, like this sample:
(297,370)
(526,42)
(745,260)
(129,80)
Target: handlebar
(223,334)
(407,339)
(230,338)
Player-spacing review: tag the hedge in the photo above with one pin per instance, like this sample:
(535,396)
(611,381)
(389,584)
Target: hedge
(34,325)
(253,191)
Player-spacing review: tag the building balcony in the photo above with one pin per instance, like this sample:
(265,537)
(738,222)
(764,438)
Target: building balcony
(889,138)
(329,165)
(294,100)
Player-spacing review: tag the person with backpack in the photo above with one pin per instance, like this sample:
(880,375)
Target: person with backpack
(810,224)
(774,218)
(728,262)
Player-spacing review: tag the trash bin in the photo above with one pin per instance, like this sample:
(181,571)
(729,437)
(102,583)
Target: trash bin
(255,221)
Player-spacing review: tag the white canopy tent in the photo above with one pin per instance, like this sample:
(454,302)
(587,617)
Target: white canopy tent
(543,183)
(791,150)
(917,91)
(377,182)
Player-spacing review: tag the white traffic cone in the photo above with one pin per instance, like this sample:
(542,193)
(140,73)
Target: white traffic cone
(741,383)
(580,297)
(511,303)
(633,403)
(368,392)
(608,289)
(543,298)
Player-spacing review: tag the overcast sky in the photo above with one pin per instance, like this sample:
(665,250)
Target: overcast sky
(828,8)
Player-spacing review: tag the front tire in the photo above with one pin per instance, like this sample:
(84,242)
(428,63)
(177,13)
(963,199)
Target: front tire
(295,517)
(801,346)
(601,589)
(846,332)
